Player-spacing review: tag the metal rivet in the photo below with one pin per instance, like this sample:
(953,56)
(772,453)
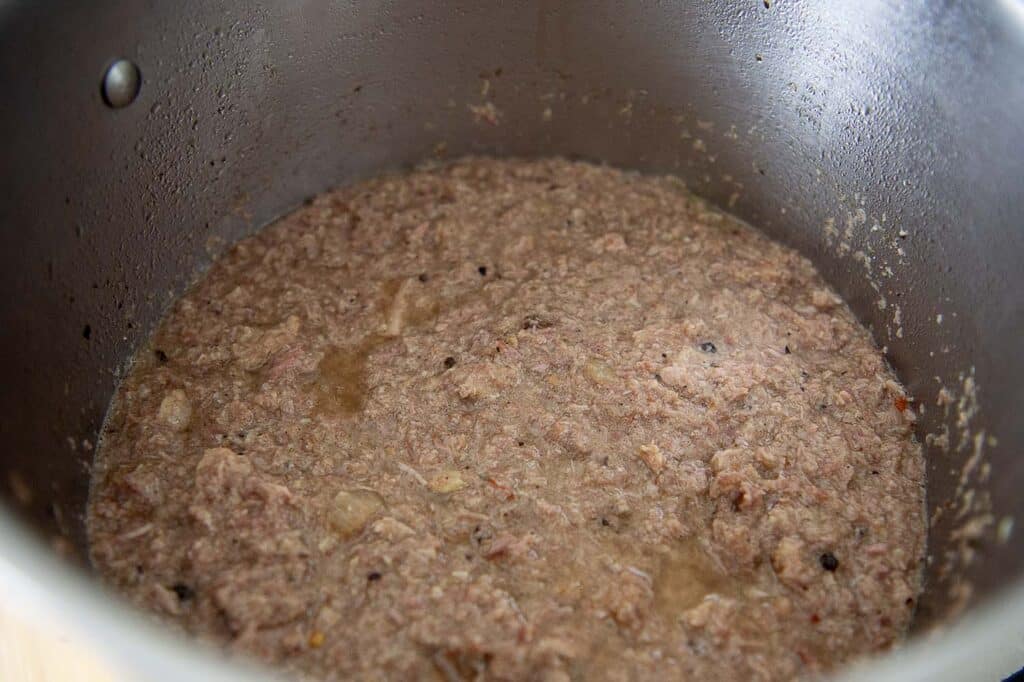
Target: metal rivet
(121,84)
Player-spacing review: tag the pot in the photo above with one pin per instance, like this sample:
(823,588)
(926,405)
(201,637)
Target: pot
(883,140)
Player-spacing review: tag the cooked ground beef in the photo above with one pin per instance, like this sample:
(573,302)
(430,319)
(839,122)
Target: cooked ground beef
(515,420)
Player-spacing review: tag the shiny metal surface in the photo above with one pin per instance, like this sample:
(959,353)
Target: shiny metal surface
(882,139)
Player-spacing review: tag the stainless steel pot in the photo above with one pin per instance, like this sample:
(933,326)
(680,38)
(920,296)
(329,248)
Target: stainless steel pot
(885,140)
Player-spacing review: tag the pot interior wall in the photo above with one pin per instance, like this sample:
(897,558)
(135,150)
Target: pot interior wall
(883,141)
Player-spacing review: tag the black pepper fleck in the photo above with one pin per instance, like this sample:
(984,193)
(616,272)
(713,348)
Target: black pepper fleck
(605,522)
(86,332)
(160,355)
(449,362)
(708,347)
(184,592)
(482,270)
(373,576)
(423,277)
(787,351)
(829,562)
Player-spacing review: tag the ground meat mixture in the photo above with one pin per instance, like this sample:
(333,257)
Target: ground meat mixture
(515,420)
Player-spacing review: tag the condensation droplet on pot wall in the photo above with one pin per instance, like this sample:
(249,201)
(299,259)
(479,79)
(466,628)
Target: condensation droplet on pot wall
(121,84)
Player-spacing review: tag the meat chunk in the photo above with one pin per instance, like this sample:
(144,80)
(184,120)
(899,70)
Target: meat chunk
(481,381)
(255,347)
(175,410)
(221,472)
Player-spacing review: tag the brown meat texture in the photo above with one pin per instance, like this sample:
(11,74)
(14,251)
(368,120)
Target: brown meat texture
(515,420)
